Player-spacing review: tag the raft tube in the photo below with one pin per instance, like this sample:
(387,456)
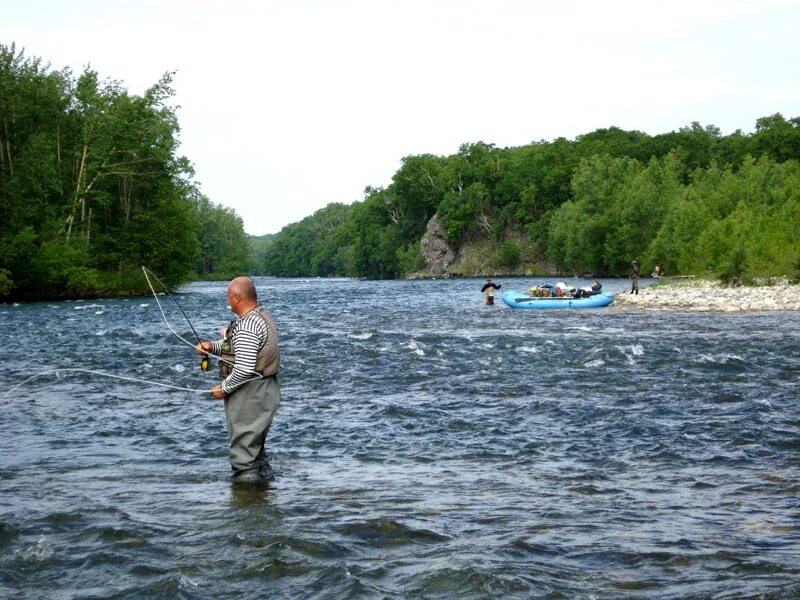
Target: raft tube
(522,300)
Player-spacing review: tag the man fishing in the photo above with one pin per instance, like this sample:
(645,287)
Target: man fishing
(489,288)
(635,277)
(249,361)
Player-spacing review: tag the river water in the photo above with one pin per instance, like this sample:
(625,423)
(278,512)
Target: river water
(427,446)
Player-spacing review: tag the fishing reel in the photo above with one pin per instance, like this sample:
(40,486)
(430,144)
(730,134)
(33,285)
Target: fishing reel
(205,363)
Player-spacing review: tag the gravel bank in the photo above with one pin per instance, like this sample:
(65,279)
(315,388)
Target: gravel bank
(711,296)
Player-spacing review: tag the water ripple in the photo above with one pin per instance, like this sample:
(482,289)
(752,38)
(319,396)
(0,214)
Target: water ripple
(426,446)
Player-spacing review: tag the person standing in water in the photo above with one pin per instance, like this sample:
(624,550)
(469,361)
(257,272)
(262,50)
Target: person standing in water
(488,289)
(249,361)
(635,277)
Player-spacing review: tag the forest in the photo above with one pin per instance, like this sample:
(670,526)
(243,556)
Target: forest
(693,201)
(92,187)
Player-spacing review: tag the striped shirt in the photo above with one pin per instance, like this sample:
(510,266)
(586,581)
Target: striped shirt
(249,336)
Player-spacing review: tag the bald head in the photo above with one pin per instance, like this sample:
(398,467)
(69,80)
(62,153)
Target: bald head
(244,287)
(242,295)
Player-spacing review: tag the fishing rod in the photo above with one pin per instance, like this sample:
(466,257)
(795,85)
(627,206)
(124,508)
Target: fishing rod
(205,363)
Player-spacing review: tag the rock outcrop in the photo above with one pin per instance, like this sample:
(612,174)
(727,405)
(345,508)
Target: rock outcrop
(436,251)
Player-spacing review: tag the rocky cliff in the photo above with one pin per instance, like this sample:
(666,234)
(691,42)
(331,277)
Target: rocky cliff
(477,257)
(436,252)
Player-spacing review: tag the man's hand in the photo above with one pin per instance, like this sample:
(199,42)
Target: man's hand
(217,392)
(203,348)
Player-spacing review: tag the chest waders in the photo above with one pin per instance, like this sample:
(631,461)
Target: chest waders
(250,408)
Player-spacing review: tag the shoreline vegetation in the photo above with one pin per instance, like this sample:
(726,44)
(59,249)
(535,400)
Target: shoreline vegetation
(92,187)
(691,201)
(712,296)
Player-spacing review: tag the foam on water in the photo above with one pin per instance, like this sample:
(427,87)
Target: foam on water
(86,306)
(722,359)
(528,349)
(415,347)
(360,336)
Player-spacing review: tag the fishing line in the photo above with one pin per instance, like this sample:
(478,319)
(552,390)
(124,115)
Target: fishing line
(161,309)
(104,374)
(184,340)
(205,365)
(135,379)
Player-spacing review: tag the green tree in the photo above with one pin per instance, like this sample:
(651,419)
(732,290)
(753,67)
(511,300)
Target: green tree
(91,186)
(224,247)
(777,138)
(509,254)
(637,213)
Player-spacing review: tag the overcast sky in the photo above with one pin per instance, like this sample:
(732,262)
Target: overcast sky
(288,105)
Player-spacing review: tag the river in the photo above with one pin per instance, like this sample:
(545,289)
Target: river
(427,446)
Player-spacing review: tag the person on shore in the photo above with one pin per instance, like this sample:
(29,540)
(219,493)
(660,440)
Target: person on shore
(635,277)
(488,289)
(657,272)
(249,361)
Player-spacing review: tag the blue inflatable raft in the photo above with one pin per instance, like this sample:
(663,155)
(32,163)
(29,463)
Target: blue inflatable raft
(522,300)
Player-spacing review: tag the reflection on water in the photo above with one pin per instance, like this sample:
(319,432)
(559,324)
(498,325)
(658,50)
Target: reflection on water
(426,446)
(245,495)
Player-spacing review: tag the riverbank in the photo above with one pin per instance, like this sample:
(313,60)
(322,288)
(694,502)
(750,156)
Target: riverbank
(705,296)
